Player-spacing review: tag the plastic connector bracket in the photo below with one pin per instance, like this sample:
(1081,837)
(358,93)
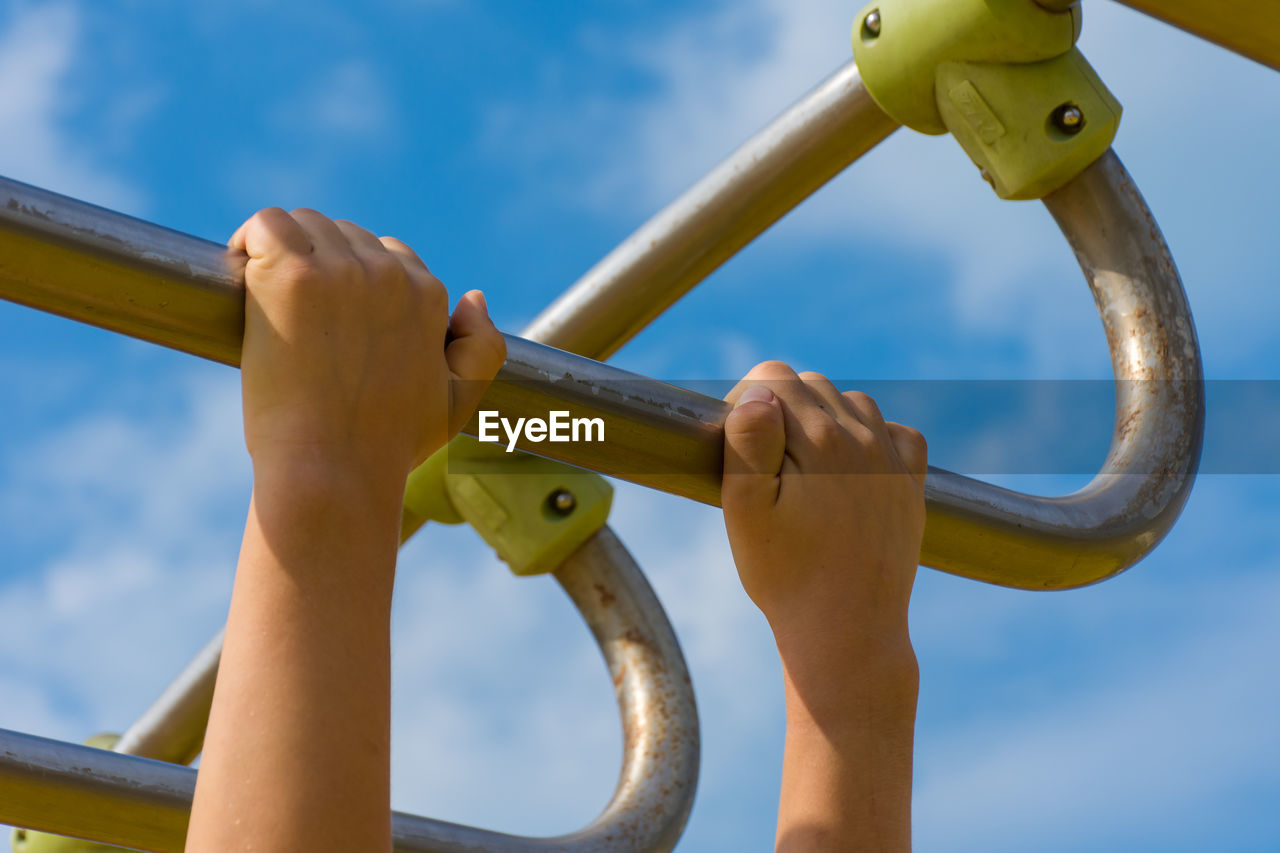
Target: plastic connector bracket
(1002,76)
(533,512)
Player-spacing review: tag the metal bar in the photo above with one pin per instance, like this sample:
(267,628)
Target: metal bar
(984,532)
(173,728)
(51,249)
(771,173)
(1250,28)
(135,802)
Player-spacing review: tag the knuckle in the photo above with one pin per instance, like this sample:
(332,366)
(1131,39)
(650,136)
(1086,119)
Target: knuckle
(915,437)
(267,213)
(866,403)
(826,434)
(859,398)
(347,267)
(382,267)
(434,295)
(773,367)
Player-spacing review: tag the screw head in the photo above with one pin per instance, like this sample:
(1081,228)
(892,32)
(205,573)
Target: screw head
(871,23)
(1069,118)
(562,501)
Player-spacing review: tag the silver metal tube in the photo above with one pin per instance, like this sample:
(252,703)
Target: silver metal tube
(670,438)
(770,174)
(120,799)
(981,531)
(173,728)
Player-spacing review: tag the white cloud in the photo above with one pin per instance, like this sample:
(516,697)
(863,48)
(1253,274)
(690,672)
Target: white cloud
(1177,734)
(347,108)
(350,101)
(37,51)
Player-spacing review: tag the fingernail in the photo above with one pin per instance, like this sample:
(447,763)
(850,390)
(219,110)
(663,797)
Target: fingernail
(755,394)
(483,302)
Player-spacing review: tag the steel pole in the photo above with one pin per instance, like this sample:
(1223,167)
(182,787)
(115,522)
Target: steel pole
(766,177)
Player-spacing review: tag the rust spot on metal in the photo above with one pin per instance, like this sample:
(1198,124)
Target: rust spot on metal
(1126,426)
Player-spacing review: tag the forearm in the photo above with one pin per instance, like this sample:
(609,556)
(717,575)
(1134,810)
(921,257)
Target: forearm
(297,753)
(846,779)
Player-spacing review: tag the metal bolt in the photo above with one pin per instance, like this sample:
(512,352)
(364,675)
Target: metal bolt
(872,23)
(1068,118)
(562,501)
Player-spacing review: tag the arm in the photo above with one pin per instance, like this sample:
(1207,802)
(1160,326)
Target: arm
(824,506)
(347,385)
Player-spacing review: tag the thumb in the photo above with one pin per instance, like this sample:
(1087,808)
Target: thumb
(755,443)
(475,351)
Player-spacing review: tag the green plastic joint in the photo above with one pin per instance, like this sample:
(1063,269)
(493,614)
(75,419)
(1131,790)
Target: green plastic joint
(30,841)
(533,512)
(1002,76)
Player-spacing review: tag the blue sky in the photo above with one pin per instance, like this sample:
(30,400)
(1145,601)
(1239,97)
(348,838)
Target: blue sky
(516,143)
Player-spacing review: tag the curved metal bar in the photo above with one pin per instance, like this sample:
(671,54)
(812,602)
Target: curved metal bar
(121,799)
(782,165)
(984,532)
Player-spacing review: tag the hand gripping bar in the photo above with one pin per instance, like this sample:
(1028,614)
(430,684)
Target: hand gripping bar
(110,270)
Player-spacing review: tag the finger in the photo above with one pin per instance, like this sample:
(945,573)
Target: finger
(402,250)
(803,418)
(830,398)
(361,240)
(474,354)
(269,233)
(755,446)
(324,234)
(912,449)
(798,402)
(866,410)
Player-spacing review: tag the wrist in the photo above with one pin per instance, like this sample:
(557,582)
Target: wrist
(316,512)
(842,686)
(308,473)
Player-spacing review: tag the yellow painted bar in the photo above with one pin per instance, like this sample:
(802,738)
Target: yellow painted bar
(1249,27)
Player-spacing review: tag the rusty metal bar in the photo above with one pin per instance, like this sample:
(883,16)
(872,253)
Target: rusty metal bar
(135,802)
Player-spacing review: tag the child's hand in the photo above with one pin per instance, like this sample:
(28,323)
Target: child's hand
(824,505)
(345,359)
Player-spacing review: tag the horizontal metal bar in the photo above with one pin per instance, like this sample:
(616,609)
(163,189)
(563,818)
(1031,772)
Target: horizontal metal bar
(75,790)
(56,252)
(770,174)
(1248,27)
